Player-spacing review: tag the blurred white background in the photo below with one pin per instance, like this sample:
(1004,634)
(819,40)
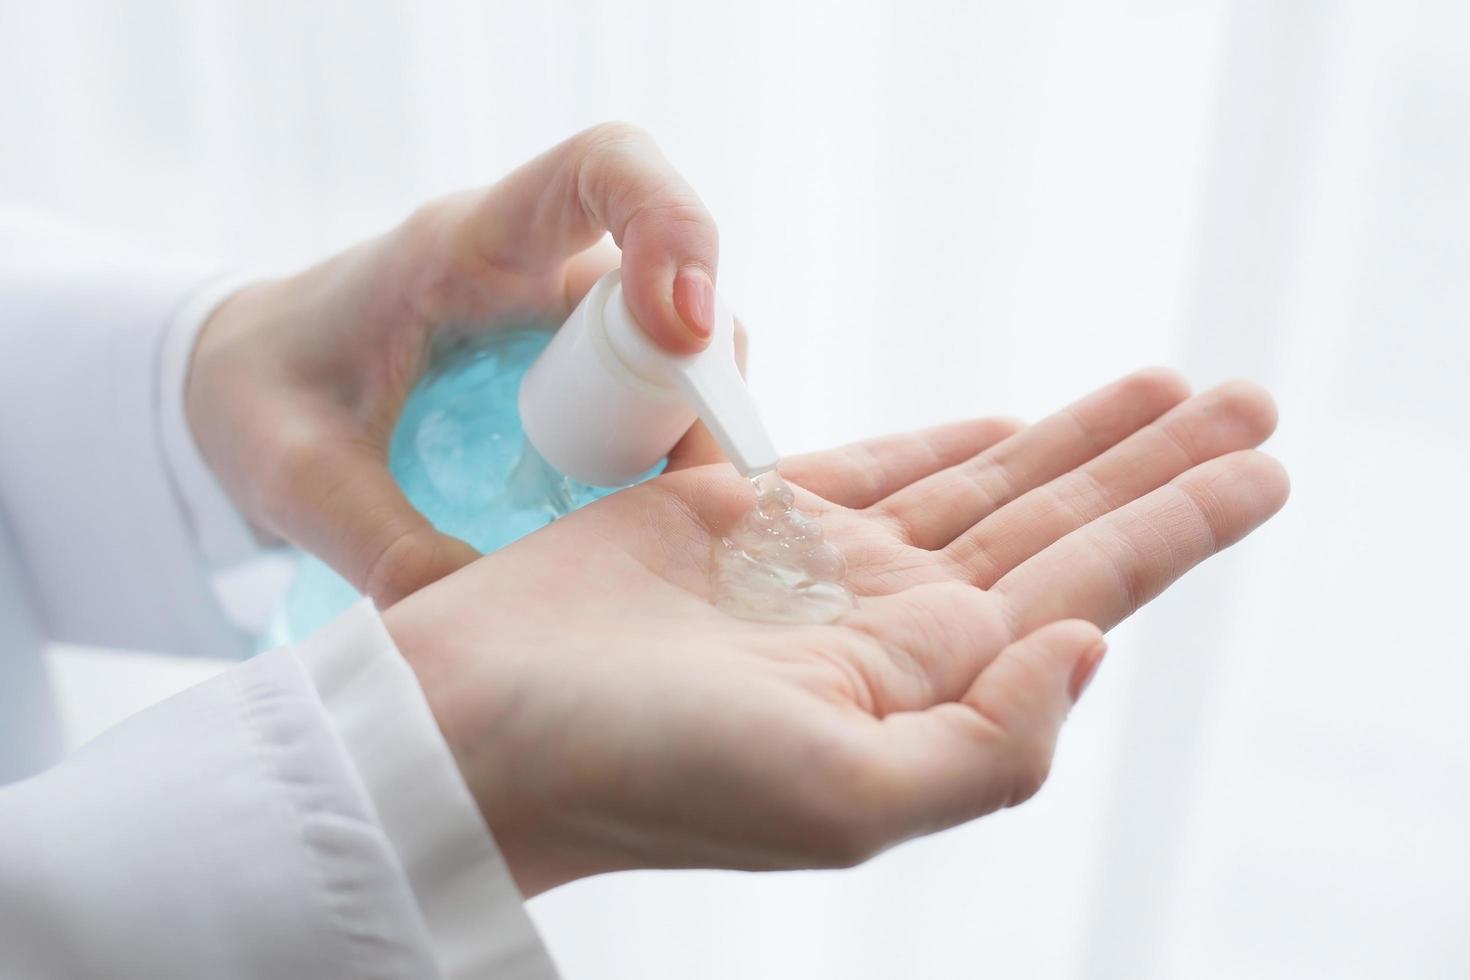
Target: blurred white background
(940,210)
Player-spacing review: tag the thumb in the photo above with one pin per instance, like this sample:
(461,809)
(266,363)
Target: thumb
(956,761)
(1027,691)
(343,505)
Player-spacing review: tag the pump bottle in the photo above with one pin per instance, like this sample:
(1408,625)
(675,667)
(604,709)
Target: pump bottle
(598,401)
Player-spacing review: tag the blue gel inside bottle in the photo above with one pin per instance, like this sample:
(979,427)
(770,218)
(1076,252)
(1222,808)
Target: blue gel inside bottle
(462,459)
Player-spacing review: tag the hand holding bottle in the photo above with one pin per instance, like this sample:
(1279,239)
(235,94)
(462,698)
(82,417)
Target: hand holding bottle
(296,383)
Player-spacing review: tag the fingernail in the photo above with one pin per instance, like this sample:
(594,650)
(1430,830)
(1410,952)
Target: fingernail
(1086,667)
(694,298)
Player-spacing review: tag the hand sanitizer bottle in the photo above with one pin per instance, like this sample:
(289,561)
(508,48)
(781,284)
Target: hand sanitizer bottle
(511,429)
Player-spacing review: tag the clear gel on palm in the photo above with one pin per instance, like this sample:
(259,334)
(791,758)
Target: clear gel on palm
(775,565)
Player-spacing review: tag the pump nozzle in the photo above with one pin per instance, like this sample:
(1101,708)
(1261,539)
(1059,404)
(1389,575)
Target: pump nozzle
(603,403)
(711,381)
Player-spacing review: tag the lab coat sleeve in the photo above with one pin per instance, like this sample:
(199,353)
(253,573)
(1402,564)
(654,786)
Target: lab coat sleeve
(297,816)
(95,335)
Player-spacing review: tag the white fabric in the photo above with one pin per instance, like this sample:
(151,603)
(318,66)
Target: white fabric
(464,889)
(219,834)
(273,822)
(96,522)
(32,731)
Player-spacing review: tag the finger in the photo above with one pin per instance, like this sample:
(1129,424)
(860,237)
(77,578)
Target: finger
(863,473)
(613,178)
(697,447)
(993,748)
(1028,690)
(584,269)
(937,509)
(1236,415)
(343,505)
(1108,569)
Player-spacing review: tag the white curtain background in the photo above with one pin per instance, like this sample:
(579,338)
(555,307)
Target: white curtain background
(930,211)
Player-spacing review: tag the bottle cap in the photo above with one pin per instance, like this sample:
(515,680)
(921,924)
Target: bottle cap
(603,403)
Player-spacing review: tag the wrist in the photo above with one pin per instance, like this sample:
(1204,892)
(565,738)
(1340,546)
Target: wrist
(221,531)
(217,389)
(468,724)
(520,766)
(468,900)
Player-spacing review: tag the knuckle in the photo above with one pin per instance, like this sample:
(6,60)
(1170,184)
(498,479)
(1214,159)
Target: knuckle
(403,565)
(1158,384)
(613,134)
(438,230)
(674,213)
(620,163)
(433,248)
(1003,427)
(424,223)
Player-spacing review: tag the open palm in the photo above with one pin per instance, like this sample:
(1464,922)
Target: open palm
(608,716)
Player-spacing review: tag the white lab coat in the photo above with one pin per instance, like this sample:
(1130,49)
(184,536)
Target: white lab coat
(297,816)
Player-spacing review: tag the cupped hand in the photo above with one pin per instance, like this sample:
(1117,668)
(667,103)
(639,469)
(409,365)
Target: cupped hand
(296,384)
(607,716)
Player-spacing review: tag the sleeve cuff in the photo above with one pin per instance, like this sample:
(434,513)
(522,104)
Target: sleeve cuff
(221,533)
(467,896)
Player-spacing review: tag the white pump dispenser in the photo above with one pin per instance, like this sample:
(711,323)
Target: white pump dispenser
(603,403)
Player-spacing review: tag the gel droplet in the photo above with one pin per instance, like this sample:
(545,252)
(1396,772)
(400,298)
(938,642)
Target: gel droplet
(776,566)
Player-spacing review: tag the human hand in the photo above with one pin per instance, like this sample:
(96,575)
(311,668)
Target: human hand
(296,384)
(607,716)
